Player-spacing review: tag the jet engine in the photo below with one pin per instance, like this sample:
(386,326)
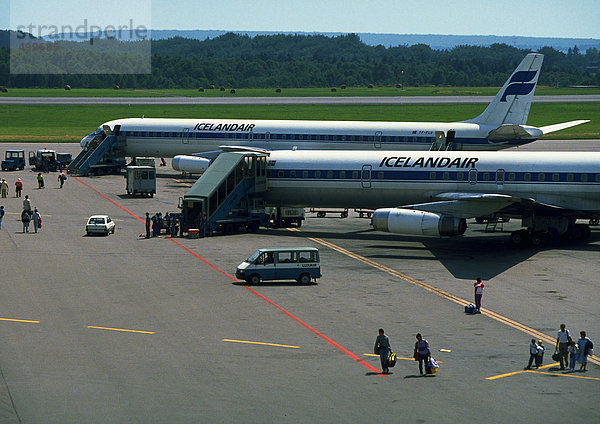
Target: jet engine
(419,223)
(190,164)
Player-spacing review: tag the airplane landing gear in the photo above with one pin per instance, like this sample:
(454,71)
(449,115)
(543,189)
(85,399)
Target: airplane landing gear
(575,232)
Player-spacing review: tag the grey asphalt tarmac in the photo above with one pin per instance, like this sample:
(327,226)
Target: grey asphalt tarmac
(279,100)
(122,329)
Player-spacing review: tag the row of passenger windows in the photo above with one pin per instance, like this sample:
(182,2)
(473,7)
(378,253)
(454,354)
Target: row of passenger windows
(433,175)
(299,137)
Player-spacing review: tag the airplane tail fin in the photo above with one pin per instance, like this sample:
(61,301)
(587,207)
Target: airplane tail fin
(511,104)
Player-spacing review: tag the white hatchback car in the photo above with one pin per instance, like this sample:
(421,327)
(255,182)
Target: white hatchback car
(100,224)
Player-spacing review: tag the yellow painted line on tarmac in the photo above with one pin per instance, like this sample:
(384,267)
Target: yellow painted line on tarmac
(560,374)
(120,329)
(19,213)
(508,374)
(397,357)
(20,320)
(564,375)
(260,343)
(486,312)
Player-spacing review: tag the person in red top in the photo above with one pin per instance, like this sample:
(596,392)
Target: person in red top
(18,187)
(478,293)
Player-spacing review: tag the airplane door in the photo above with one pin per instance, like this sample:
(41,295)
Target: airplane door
(365,176)
(449,145)
(473,176)
(185,137)
(378,139)
(500,178)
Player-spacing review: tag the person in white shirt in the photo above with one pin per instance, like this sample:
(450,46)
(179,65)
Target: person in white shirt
(562,345)
(533,352)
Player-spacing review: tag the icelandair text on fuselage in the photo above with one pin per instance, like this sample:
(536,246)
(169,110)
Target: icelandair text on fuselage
(209,126)
(422,162)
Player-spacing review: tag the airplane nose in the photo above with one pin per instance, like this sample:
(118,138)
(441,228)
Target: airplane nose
(85,140)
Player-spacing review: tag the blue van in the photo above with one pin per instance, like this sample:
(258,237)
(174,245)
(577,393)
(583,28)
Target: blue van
(286,263)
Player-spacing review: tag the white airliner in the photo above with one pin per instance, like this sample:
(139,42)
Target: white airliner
(502,124)
(433,193)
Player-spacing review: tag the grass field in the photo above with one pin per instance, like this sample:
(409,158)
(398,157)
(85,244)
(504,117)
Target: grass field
(286,92)
(29,123)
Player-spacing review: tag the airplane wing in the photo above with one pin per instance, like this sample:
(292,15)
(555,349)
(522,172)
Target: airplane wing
(243,149)
(556,127)
(512,132)
(471,205)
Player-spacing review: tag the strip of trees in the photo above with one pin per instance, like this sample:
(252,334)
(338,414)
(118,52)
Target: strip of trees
(300,61)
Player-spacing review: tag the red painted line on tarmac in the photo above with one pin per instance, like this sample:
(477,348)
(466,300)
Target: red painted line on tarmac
(200,258)
(254,292)
(318,333)
(110,200)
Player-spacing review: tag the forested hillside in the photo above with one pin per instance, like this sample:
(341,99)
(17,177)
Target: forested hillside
(240,61)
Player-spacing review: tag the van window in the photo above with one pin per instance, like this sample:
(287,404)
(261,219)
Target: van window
(286,257)
(307,256)
(265,258)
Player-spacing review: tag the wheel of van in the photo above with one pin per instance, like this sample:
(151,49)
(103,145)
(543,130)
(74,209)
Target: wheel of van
(304,279)
(320,214)
(344,214)
(254,279)
(518,238)
(536,239)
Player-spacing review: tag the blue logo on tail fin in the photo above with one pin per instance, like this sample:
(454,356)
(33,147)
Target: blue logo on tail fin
(518,84)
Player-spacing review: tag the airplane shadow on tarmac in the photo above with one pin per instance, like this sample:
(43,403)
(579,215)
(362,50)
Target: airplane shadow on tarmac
(484,255)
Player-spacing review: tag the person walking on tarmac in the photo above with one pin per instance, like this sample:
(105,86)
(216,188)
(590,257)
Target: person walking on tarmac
(478,293)
(27,203)
(37,220)
(148,225)
(26,218)
(4,188)
(563,341)
(383,348)
(61,178)
(18,187)
(40,180)
(422,353)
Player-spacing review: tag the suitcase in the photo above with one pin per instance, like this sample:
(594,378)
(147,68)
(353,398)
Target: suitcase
(470,309)
(391,360)
(433,365)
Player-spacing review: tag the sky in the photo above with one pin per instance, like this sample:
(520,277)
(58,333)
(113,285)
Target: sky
(534,18)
